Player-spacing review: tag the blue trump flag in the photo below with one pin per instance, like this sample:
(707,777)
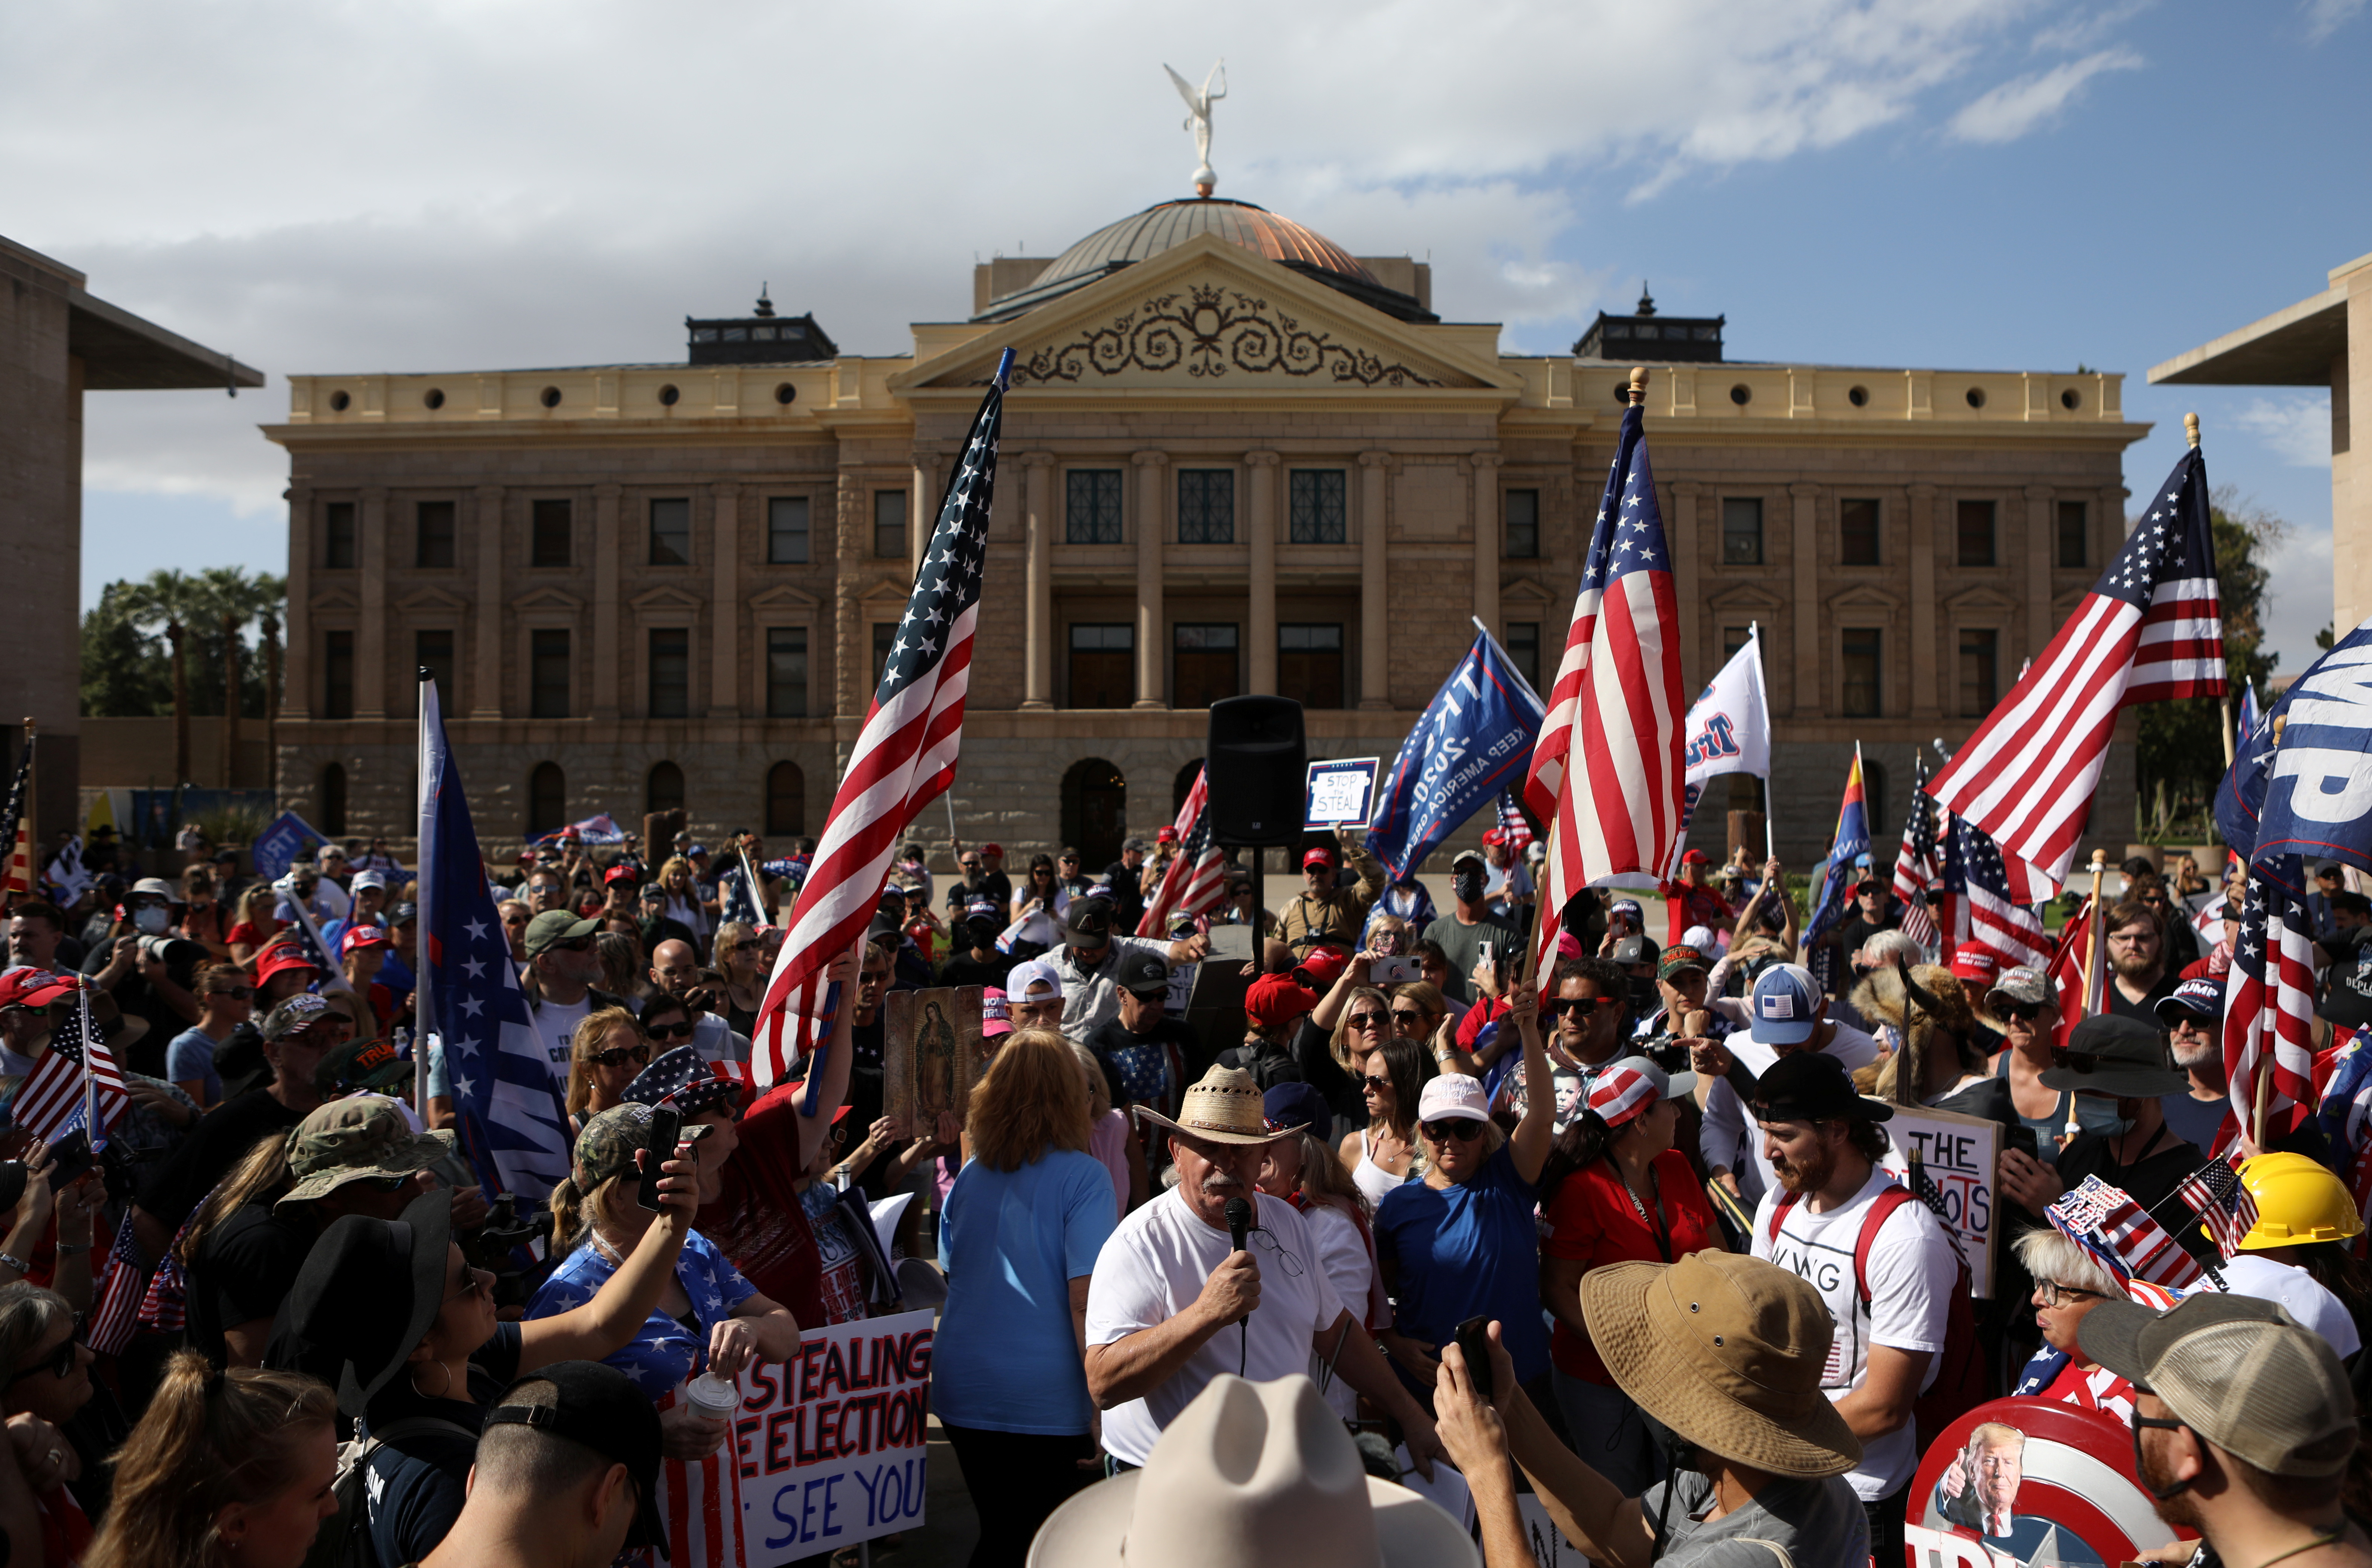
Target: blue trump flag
(1474,739)
(506,1092)
(2313,786)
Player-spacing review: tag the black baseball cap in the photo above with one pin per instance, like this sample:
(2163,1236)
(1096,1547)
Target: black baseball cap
(1089,923)
(2110,1054)
(599,1407)
(1144,974)
(1810,1086)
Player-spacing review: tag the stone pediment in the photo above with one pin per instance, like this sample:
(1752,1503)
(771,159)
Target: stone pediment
(1981,600)
(1526,593)
(663,598)
(1206,316)
(1866,596)
(1747,596)
(881,594)
(548,598)
(782,596)
(336,599)
(432,599)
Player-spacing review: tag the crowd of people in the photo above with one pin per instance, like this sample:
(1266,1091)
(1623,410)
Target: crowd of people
(1408,1205)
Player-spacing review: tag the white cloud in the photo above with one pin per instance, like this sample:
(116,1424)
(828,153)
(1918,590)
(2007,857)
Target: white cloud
(2023,103)
(2296,429)
(2324,17)
(2297,597)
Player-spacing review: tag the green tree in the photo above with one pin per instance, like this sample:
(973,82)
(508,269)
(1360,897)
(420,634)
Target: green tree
(2180,757)
(127,659)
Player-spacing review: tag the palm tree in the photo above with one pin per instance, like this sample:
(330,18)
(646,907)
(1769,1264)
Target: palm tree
(126,662)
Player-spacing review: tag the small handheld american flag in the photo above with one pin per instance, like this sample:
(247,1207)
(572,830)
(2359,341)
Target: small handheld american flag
(74,1085)
(2226,1208)
(1196,879)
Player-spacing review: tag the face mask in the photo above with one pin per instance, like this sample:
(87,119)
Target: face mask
(1468,884)
(2120,1126)
(151,921)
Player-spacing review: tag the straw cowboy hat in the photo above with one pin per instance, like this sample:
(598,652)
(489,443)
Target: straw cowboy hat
(1727,1350)
(1252,1474)
(1224,1107)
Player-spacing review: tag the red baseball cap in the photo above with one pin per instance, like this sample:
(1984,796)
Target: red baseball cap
(997,850)
(25,986)
(1697,857)
(1323,965)
(362,934)
(1495,835)
(1318,857)
(619,873)
(1167,836)
(1974,960)
(281,957)
(1274,1000)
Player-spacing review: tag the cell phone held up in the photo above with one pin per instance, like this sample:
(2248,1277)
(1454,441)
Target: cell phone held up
(667,1127)
(1474,1344)
(1394,972)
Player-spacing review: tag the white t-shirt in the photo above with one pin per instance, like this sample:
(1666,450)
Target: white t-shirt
(1345,1258)
(2253,1273)
(1727,1136)
(1911,1272)
(555,1024)
(1154,1266)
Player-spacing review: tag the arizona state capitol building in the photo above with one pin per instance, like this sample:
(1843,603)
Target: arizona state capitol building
(1236,458)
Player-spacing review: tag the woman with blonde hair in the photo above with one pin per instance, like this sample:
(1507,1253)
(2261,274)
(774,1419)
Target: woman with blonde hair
(740,956)
(1020,1233)
(255,927)
(44,1381)
(604,1056)
(203,919)
(684,901)
(1108,1137)
(623,973)
(229,1472)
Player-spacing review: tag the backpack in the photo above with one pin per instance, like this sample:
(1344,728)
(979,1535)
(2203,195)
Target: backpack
(344,1539)
(1959,1385)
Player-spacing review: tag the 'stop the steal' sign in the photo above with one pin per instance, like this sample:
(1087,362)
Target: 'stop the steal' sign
(832,1443)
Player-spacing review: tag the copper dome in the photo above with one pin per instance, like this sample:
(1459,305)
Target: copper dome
(1155,229)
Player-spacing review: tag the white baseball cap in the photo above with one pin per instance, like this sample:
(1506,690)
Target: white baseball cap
(369,879)
(1031,972)
(1453,1095)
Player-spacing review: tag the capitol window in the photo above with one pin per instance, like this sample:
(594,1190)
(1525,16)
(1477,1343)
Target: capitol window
(1092,499)
(1316,507)
(1206,506)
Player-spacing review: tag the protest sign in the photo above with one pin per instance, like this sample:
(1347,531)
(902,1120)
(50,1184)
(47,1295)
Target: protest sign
(288,840)
(1959,1156)
(832,1443)
(2027,1481)
(1552,1548)
(930,1052)
(1342,793)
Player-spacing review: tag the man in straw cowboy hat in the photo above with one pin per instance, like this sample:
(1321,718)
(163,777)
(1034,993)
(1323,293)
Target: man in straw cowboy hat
(1173,1304)
(1252,1474)
(1726,1351)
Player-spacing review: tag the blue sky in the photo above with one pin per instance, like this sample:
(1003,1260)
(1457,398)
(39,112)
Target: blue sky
(1954,184)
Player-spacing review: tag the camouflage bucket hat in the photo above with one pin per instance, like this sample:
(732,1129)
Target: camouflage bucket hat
(356,1139)
(606,1147)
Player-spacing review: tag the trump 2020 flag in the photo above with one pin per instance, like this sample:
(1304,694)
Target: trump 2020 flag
(1471,741)
(1605,774)
(1729,732)
(506,1092)
(1850,846)
(2317,783)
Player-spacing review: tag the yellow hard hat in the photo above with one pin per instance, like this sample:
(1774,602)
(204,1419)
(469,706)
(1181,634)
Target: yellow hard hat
(2297,1202)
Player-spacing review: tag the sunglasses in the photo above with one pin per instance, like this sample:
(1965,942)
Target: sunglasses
(59,1363)
(668,1031)
(640,1055)
(1372,1082)
(1406,1016)
(573,944)
(1364,1021)
(1558,1006)
(236,993)
(472,1285)
(971,866)
(751,945)
(2022,1012)
(1465,1128)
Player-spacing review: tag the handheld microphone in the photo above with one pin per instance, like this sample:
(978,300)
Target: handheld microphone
(1239,1222)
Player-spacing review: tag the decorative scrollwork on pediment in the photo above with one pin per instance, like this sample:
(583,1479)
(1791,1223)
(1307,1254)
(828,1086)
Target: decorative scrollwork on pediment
(1208,332)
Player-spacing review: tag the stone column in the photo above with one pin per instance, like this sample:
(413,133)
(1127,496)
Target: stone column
(370,640)
(296,691)
(1260,668)
(1804,551)
(271,708)
(486,693)
(1924,703)
(2042,554)
(1151,528)
(1375,597)
(1037,530)
(608,525)
(1486,540)
(1684,544)
(850,655)
(725,612)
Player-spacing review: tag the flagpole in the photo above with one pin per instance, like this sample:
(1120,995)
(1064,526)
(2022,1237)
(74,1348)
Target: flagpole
(1754,635)
(2091,962)
(2191,434)
(91,1128)
(424,801)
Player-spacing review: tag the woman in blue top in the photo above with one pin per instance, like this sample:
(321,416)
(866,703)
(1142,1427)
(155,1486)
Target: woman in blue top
(1020,1231)
(1465,1241)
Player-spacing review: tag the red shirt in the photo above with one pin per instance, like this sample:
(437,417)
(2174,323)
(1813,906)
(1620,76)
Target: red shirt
(1593,1219)
(757,1221)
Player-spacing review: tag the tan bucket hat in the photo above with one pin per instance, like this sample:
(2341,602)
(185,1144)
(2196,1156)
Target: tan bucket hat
(1250,1474)
(1224,1107)
(361,1138)
(1727,1350)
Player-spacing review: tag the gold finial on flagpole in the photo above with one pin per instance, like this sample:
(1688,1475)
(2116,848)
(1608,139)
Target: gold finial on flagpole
(2190,429)
(1638,385)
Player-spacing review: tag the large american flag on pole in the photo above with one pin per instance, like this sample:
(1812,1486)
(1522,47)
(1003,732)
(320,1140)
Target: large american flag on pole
(1918,866)
(1978,906)
(1605,777)
(2269,1011)
(2150,630)
(1195,882)
(905,757)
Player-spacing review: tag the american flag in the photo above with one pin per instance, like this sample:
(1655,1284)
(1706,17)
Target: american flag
(17,829)
(112,1325)
(507,1089)
(904,759)
(1977,903)
(2226,1208)
(2149,629)
(2120,1236)
(2078,998)
(740,886)
(2269,1010)
(1514,824)
(1196,882)
(1918,865)
(72,1080)
(1605,774)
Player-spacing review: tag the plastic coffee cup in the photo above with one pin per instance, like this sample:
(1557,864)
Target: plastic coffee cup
(712,1396)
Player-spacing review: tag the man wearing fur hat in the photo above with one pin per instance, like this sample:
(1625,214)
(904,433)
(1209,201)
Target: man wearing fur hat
(1175,1304)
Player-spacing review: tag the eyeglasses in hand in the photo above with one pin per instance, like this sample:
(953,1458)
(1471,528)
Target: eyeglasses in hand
(1269,1244)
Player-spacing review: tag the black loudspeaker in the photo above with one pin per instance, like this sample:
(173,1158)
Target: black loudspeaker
(1258,766)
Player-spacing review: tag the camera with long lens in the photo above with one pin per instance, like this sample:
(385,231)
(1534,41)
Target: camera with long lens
(177,952)
(1669,1054)
(499,1245)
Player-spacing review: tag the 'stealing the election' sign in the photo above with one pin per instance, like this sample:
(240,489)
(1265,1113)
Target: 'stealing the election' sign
(832,1443)
(1958,1155)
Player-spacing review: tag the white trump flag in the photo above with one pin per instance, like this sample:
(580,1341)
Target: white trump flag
(1729,732)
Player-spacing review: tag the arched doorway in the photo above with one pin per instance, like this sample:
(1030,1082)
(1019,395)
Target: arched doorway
(547,800)
(663,791)
(333,799)
(786,799)
(1095,811)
